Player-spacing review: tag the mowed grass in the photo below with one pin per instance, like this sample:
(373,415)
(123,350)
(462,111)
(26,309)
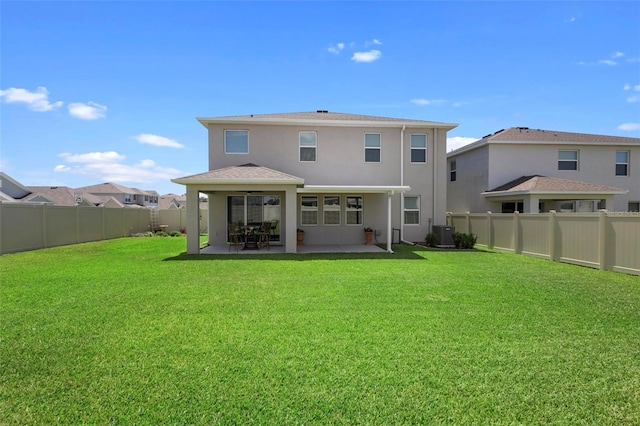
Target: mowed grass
(131,331)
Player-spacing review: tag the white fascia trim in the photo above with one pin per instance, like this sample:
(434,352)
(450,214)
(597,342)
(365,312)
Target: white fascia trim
(333,123)
(237,181)
(510,193)
(480,143)
(360,189)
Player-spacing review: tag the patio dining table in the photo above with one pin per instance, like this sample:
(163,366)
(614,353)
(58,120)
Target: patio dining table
(250,237)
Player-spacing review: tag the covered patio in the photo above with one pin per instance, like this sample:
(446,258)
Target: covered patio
(249,194)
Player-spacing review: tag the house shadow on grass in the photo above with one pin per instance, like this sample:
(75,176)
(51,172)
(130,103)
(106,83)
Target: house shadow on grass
(400,251)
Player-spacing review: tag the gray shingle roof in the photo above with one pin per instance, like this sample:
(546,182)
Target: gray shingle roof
(241,174)
(538,183)
(322,116)
(525,134)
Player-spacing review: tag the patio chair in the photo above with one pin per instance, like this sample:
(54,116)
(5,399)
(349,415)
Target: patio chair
(264,235)
(235,236)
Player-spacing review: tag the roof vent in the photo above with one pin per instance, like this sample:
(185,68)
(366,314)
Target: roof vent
(322,111)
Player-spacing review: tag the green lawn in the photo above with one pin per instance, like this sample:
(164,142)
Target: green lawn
(131,331)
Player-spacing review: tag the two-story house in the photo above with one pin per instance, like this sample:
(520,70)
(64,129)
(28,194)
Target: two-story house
(531,171)
(329,174)
(129,197)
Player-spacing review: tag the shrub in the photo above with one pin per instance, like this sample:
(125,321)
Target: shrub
(464,241)
(161,234)
(142,234)
(175,234)
(432,240)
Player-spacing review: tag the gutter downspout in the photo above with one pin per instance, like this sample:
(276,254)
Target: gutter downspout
(435,174)
(402,240)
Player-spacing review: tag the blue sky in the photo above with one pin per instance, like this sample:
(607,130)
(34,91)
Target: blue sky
(96,92)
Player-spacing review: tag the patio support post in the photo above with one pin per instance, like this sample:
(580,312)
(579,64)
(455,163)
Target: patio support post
(291,202)
(389,230)
(193,220)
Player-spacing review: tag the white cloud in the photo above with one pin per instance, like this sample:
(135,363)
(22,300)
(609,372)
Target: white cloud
(336,49)
(424,102)
(633,99)
(635,88)
(36,101)
(607,62)
(109,167)
(458,142)
(629,126)
(617,55)
(157,140)
(374,42)
(370,56)
(88,111)
(93,157)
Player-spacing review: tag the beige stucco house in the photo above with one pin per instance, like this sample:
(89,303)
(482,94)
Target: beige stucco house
(531,171)
(329,174)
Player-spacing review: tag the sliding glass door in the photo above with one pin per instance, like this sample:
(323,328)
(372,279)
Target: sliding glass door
(253,210)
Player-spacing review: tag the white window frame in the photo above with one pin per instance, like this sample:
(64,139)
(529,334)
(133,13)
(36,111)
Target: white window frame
(226,151)
(373,148)
(626,163)
(564,160)
(348,209)
(453,170)
(300,146)
(304,208)
(326,208)
(406,210)
(418,148)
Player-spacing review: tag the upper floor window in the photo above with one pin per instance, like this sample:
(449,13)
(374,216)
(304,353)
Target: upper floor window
(412,210)
(308,146)
(452,170)
(418,148)
(331,210)
(354,210)
(309,210)
(127,198)
(372,145)
(622,163)
(236,141)
(567,160)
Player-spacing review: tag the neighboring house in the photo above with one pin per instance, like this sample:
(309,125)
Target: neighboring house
(172,201)
(329,174)
(129,197)
(65,196)
(11,189)
(533,171)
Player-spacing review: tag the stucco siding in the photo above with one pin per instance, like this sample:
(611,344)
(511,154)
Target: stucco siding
(463,195)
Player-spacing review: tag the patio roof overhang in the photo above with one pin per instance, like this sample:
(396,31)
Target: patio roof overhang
(361,189)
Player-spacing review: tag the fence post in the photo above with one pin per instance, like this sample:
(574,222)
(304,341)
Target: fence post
(0,228)
(77,224)
(602,235)
(516,232)
(489,233)
(44,225)
(552,235)
(468,222)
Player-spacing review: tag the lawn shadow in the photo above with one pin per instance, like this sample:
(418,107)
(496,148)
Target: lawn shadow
(402,251)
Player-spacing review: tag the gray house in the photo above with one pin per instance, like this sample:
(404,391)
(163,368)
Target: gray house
(531,171)
(329,174)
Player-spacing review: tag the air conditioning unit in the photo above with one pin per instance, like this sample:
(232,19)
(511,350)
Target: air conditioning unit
(444,234)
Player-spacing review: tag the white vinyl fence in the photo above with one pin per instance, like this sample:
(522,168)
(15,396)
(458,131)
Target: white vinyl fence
(34,226)
(603,240)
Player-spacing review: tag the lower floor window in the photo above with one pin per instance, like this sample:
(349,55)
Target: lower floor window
(412,210)
(354,210)
(309,210)
(634,206)
(331,209)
